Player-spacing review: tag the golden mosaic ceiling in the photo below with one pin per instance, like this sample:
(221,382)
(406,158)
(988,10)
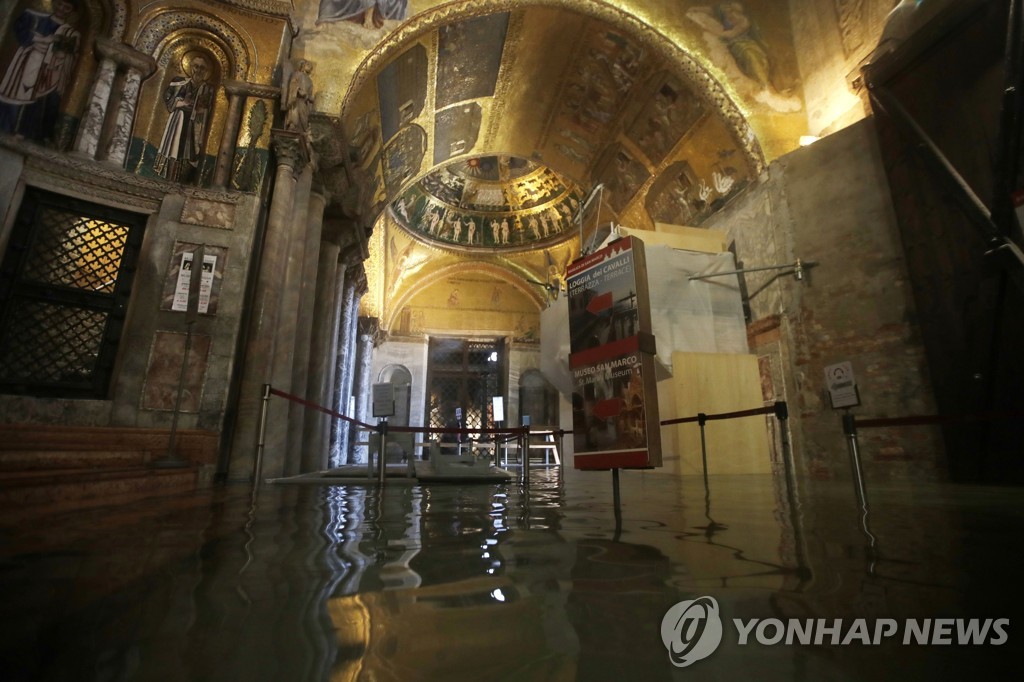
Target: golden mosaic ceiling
(490,202)
(591,95)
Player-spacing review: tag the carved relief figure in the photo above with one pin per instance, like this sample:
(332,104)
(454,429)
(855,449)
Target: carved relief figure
(189,99)
(38,74)
(368,13)
(297,97)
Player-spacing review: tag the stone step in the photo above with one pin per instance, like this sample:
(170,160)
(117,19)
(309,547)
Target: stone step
(76,488)
(34,460)
(53,466)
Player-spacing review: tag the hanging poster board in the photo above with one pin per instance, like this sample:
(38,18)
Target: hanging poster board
(615,406)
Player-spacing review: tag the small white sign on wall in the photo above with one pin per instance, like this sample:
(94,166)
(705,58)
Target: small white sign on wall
(384,400)
(842,387)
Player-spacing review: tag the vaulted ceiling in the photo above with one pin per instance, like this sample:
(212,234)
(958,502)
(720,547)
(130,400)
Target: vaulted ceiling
(467,117)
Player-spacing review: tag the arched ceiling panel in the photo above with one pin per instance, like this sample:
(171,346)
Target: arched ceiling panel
(591,99)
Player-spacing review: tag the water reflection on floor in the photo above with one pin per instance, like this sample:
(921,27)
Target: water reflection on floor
(491,582)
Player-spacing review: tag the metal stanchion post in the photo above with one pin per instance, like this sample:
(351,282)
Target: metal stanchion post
(561,449)
(369,456)
(850,429)
(261,438)
(524,451)
(702,419)
(382,448)
(617,504)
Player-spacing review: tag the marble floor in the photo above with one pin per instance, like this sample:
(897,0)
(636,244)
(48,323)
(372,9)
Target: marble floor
(506,582)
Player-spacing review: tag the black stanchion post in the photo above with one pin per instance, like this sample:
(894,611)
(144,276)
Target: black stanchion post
(850,429)
(702,419)
(616,504)
(261,438)
(382,448)
(524,452)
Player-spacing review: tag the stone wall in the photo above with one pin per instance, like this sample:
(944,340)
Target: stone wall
(143,390)
(829,203)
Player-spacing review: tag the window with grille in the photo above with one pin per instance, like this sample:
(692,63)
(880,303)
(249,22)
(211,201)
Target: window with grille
(65,280)
(466,374)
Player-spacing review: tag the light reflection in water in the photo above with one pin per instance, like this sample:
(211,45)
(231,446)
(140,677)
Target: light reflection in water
(474,582)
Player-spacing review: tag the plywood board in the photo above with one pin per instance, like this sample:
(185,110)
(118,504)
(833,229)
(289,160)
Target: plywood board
(714,383)
(677,237)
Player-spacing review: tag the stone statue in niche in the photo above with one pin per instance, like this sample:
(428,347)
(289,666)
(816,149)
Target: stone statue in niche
(297,97)
(39,72)
(189,99)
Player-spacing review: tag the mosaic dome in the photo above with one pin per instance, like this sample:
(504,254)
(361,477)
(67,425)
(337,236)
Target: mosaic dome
(490,202)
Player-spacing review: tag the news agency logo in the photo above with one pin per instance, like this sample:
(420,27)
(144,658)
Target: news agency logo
(691,630)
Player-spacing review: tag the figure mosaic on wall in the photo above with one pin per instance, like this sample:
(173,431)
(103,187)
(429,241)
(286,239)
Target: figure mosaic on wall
(189,99)
(728,24)
(367,13)
(39,72)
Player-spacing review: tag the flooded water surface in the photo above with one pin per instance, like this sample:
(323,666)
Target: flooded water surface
(509,582)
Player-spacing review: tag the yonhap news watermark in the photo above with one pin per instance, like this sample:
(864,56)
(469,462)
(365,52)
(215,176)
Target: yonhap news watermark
(693,629)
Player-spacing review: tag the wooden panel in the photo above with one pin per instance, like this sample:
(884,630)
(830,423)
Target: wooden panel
(678,237)
(712,383)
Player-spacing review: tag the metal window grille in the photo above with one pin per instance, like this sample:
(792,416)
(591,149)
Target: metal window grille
(463,374)
(65,280)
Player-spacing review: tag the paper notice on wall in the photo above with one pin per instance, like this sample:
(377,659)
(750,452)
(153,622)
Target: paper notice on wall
(206,282)
(181,289)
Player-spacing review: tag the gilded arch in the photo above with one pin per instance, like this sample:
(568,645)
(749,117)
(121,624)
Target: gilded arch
(499,272)
(166,24)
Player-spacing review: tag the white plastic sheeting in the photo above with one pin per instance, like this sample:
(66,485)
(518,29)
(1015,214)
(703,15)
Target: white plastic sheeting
(699,316)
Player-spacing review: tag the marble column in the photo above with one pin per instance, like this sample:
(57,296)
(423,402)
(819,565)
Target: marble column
(323,347)
(261,350)
(139,68)
(99,119)
(368,330)
(345,362)
(237,92)
(305,311)
(87,140)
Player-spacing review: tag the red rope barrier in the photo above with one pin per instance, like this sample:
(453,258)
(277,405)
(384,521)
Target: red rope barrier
(721,415)
(321,408)
(405,429)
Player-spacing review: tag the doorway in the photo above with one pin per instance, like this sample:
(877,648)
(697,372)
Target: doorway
(464,374)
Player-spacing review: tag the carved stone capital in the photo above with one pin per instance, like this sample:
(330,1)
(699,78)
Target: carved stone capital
(126,55)
(359,279)
(290,148)
(351,256)
(369,326)
(244,88)
(328,140)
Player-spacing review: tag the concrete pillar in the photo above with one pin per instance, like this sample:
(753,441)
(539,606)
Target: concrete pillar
(367,335)
(303,339)
(291,154)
